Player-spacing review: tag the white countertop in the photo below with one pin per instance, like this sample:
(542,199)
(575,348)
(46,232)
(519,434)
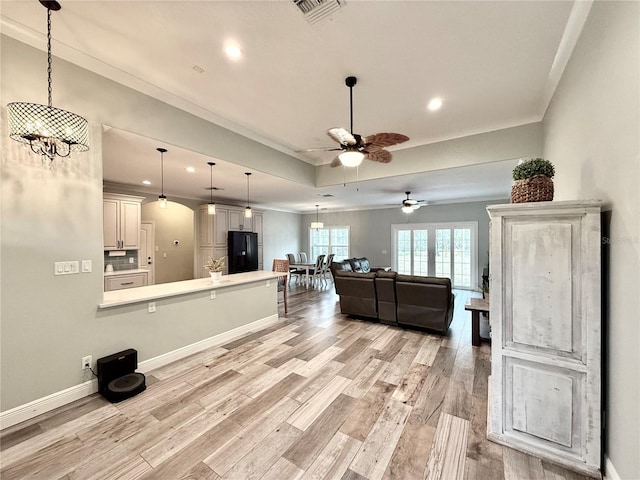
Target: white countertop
(125,272)
(163,290)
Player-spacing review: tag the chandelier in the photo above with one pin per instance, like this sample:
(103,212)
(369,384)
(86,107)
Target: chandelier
(48,131)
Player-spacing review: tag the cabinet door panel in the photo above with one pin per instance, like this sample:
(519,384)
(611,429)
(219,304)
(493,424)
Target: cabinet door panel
(205,227)
(221,227)
(543,402)
(541,271)
(237,221)
(110,221)
(130,225)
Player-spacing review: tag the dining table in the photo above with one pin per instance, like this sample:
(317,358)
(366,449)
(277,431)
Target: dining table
(303,266)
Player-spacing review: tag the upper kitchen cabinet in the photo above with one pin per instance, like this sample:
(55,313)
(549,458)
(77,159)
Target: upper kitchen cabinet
(237,220)
(121,221)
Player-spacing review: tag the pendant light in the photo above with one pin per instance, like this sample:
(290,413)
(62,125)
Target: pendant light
(162,199)
(50,132)
(317,224)
(247,210)
(211,208)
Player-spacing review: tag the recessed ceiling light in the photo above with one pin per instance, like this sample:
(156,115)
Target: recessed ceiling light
(190,169)
(146,182)
(435,104)
(233,51)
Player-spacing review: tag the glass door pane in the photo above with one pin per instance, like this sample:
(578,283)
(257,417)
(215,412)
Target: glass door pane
(462,257)
(420,253)
(404,252)
(443,252)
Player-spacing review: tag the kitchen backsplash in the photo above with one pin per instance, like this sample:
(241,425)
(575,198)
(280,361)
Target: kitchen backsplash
(122,262)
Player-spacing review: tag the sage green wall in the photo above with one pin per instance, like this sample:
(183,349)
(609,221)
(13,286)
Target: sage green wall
(371,229)
(281,235)
(592,134)
(173,263)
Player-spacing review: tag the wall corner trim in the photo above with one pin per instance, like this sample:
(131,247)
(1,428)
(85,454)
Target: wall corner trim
(610,472)
(42,405)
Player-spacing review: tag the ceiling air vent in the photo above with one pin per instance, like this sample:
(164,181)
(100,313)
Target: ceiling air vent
(316,10)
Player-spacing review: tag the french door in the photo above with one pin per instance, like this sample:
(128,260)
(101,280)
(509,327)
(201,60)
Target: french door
(438,250)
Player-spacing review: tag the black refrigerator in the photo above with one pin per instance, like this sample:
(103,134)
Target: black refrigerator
(243,251)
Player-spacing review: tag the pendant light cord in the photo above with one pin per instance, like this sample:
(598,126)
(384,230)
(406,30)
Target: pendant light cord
(248,204)
(211,184)
(162,171)
(49,54)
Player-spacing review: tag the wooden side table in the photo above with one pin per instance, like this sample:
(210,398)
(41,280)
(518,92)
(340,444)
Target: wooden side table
(477,306)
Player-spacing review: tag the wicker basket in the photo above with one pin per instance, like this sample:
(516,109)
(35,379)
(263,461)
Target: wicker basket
(534,189)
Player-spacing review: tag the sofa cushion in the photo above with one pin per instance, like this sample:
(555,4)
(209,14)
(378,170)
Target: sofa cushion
(360,265)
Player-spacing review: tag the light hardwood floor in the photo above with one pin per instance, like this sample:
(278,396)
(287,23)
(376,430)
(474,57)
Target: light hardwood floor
(317,396)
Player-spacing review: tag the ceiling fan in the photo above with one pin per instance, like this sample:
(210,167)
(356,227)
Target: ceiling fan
(354,147)
(410,204)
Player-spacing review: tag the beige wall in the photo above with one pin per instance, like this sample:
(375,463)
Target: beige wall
(176,222)
(592,135)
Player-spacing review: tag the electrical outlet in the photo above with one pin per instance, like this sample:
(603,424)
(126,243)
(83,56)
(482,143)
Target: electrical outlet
(212,296)
(268,283)
(152,307)
(86,362)
(131,259)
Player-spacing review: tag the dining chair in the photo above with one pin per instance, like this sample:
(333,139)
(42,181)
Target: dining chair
(294,272)
(326,268)
(316,272)
(282,266)
(303,257)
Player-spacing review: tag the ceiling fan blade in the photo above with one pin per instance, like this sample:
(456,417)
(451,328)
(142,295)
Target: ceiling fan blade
(382,140)
(382,156)
(320,149)
(336,162)
(342,136)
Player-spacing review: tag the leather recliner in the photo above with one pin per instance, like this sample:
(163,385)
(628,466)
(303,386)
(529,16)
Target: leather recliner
(425,302)
(357,293)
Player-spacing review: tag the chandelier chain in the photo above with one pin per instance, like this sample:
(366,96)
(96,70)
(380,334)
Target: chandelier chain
(49,54)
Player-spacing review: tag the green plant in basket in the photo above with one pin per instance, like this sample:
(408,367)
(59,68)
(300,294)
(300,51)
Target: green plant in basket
(532,167)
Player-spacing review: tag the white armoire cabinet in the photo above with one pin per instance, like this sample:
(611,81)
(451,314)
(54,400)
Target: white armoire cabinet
(545,386)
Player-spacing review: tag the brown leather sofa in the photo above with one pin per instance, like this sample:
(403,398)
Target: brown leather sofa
(392,299)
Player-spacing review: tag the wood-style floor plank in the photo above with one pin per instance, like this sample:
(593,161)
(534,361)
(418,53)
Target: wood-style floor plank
(319,395)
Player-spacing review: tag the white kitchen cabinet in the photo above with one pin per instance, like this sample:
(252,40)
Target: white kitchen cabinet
(546,331)
(213,229)
(221,227)
(121,221)
(237,220)
(205,226)
(257,226)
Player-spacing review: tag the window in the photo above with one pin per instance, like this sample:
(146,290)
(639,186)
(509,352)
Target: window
(442,250)
(324,241)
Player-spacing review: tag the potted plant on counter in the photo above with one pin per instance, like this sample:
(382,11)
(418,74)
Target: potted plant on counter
(215,267)
(533,181)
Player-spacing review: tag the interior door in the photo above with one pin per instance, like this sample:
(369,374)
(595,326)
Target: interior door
(146,255)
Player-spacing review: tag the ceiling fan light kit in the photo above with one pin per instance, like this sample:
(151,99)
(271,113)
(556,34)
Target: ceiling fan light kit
(351,158)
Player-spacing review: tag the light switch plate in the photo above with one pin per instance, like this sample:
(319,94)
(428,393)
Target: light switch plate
(66,268)
(86,266)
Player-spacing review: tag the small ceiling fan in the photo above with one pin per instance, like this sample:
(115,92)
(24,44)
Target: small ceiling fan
(354,147)
(410,204)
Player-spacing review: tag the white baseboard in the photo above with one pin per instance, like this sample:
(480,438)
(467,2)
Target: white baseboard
(42,405)
(610,472)
(224,337)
